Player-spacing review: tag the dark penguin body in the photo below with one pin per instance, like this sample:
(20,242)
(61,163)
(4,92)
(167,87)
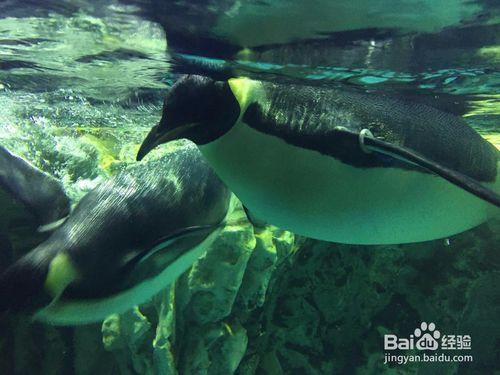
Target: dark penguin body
(223,27)
(125,241)
(336,164)
(30,201)
(41,194)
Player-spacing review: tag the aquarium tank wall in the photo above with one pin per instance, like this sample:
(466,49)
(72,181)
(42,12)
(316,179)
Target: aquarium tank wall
(249,187)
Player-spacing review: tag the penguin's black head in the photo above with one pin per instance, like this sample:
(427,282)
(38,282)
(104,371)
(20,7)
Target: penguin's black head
(197,108)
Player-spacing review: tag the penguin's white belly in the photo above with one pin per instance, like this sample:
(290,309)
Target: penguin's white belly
(317,196)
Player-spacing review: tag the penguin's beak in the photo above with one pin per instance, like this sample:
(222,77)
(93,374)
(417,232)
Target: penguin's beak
(156,137)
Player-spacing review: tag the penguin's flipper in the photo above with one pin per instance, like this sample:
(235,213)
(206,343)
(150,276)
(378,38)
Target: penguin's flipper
(189,234)
(372,144)
(49,227)
(144,265)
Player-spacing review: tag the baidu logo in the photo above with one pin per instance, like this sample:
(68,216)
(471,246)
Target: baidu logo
(427,337)
(426,344)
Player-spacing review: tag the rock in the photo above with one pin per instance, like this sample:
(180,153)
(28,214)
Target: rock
(163,356)
(258,272)
(89,356)
(199,324)
(482,309)
(125,335)
(264,301)
(214,281)
(80,159)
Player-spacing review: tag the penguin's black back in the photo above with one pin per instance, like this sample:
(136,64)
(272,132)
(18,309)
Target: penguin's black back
(132,212)
(313,118)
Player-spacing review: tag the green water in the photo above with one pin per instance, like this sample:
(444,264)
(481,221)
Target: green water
(78,92)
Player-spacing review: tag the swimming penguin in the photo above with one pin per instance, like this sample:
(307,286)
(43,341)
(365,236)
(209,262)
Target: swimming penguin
(39,193)
(124,242)
(223,28)
(32,203)
(336,164)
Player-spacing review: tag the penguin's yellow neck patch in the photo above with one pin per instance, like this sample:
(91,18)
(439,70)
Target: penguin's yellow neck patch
(244,89)
(61,273)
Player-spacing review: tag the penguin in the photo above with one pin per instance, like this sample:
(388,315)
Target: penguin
(32,204)
(125,241)
(336,164)
(42,196)
(224,28)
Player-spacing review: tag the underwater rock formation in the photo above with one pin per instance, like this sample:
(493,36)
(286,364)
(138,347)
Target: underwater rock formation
(198,326)
(482,309)
(253,304)
(262,306)
(266,301)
